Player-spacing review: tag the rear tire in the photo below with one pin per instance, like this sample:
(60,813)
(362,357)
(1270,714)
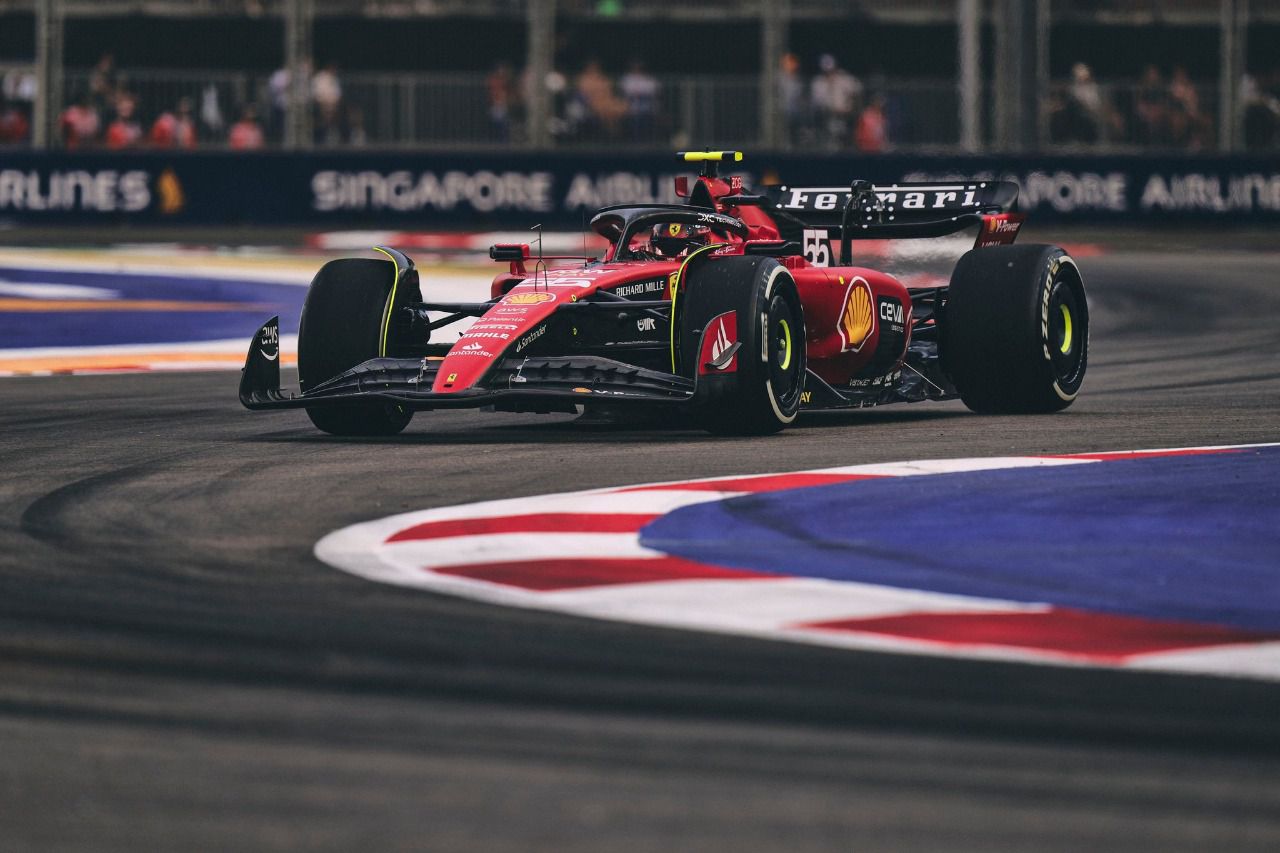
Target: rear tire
(763,395)
(1015,336)
(343,325)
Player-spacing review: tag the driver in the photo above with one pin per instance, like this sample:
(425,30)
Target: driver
(675,240)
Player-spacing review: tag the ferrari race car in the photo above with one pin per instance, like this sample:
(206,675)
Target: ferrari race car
(737,309)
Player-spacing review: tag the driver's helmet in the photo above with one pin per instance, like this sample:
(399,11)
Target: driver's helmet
(674,239)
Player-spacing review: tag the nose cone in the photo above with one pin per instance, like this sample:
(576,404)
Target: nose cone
(506,329)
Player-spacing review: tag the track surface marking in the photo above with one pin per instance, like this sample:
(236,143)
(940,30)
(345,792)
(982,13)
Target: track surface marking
(1048,559)
(177,670)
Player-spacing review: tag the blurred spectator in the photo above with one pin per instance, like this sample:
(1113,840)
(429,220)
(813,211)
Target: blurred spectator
(326,89)
(246,134)
(1084,106)
(20,88)
(791,100)
(326,95)
(328,129)
(1081,114)
(14,125)
(1151,105)
(175,129)
(503,98)
(357,136)
(79,124)
(872,134)
(1261,114)
(595,111)
(124,131)
(211,111)
(18,92)
(1188,126)
(104,83)
(836,95)
(640,91)
(557,86)
(279,93)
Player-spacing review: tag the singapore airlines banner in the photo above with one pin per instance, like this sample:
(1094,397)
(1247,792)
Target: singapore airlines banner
(560,190)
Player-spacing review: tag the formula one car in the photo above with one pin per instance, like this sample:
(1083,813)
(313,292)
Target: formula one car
(732,308)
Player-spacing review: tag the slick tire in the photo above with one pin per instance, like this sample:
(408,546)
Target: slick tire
(762,395)
(1015,335)
(343,325)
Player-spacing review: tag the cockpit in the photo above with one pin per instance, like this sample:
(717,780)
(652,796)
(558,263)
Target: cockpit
(664,232)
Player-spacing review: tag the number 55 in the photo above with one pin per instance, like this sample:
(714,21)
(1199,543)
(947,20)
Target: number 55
(817,250)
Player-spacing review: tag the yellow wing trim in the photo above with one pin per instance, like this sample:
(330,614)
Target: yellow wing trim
(675,287)
(391,300)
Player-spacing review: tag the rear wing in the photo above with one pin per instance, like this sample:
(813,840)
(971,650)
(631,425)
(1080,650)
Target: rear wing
(869,211)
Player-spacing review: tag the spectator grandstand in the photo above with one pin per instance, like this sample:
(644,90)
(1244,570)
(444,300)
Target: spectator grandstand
(635,74)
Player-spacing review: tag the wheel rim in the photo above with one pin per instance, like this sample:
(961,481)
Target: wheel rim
(1067,330)
(785,343)
(784,362)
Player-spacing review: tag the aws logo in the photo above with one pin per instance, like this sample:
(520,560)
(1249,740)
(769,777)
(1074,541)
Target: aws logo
(269,341)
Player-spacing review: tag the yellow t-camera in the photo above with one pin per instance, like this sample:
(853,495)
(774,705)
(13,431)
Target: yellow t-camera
(710,156)
(709,159)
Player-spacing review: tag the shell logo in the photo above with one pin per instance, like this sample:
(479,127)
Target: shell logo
(529,298)
(856,319)
(172,199)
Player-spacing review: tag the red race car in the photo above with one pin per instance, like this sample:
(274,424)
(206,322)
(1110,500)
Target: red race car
(739,309)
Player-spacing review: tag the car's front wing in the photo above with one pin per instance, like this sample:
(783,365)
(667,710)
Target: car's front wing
(543,383)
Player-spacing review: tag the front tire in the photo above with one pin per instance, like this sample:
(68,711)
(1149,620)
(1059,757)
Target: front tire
(762,395)
(344,323)
(1015,336)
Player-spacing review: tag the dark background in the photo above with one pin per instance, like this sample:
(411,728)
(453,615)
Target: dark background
(451,44)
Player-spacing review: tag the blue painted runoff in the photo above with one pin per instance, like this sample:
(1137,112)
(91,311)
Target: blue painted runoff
(100,327)
(1184,538)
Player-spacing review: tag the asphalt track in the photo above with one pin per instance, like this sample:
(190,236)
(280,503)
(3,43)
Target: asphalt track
(178,672)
